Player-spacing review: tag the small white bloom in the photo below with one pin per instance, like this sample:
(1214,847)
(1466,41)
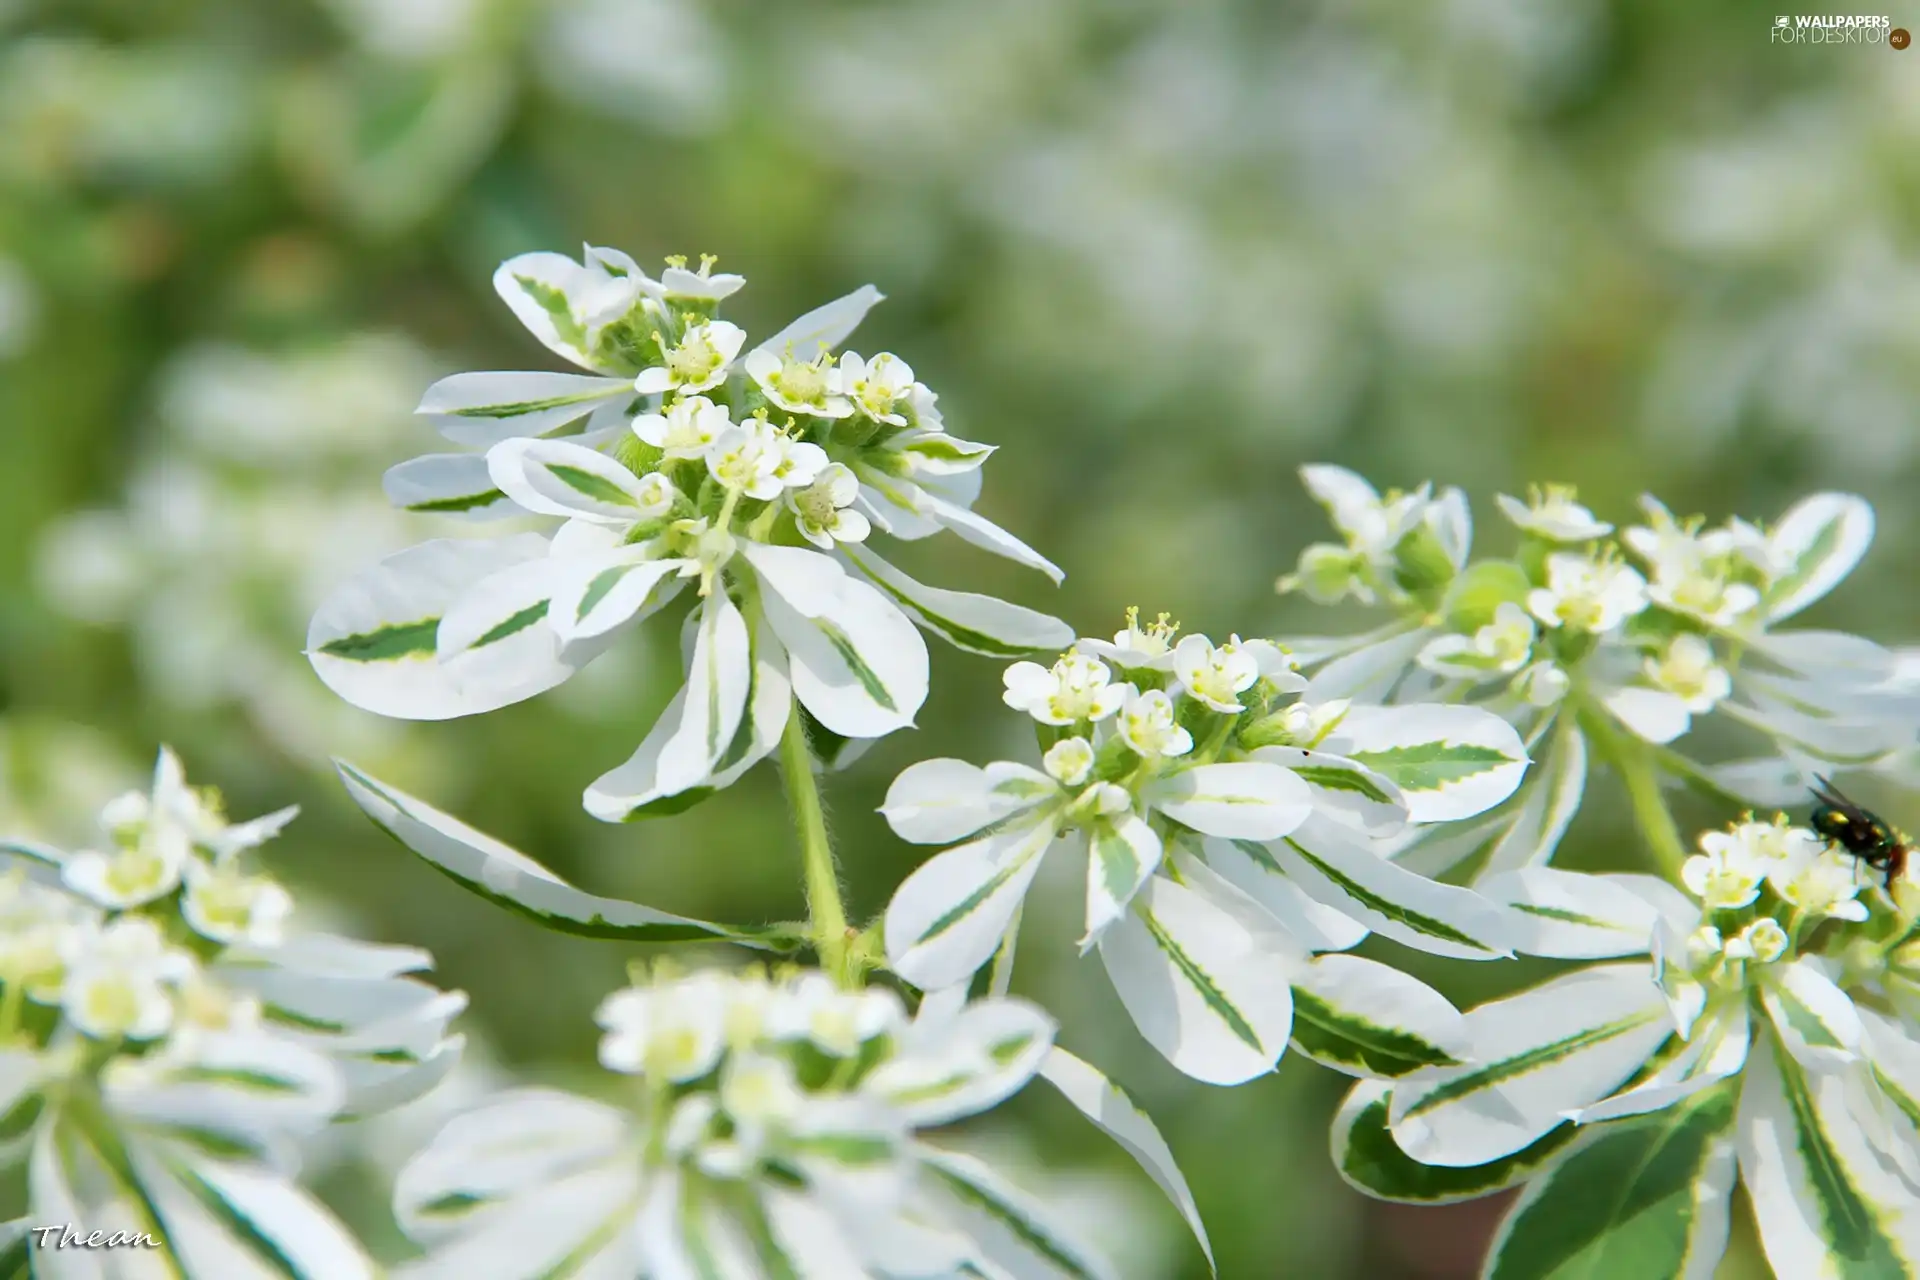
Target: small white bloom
(686,429)
(1070,760)
(1075,688)
(1147,725)
(1501,647)
(1585,594)
(1723,879)
(759,1093)
(1693,571)
(674,1031)
(1551,512)
(117,987)
(835,1022)
(130,877)
(1215,676)
(227,905)
(800,386)
(1763,940)
(700,285)
(877,386)
(746,458)
(1688,671)
(797,463)
(1823,886)
(1138,648)
(823,511)
(1305,723)
(698,362)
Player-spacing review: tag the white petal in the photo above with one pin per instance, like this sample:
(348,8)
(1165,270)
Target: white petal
(543,290)
(936,801)
(456,484)
(1208,992)
(482,409)
(1570,915)
(1242,801)
(374,639)
(976,623)
(947,918)
(718,680)
(1817,543)
(825,326)
(1653,714)
(856,662)
(559,478)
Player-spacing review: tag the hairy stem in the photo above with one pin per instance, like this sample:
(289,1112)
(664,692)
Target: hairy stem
(826,912)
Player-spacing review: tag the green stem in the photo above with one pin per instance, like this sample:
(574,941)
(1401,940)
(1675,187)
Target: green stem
(827,914)
(1003,959)
(1635,761)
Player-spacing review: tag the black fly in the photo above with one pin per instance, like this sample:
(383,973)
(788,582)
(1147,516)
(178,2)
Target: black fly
(1861,832)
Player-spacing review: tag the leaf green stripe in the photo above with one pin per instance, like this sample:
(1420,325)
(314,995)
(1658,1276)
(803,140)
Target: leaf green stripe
(1561,913)
(1532,1060)
(972,901)
(597,590)
(1851,1227)
(516,408)
(591,484)
(1014,1221)
(464,502)
(1202,982)
(950,631)
(1421,924)
(868,678)
(397,640)
(517,623)
(1324,1030)
(1336,779)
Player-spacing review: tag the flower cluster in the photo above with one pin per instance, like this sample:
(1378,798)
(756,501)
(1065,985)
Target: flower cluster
(1587,633)
(774,1126)
(168,1045)
(1753,1038)
(1230,829)
(681,460)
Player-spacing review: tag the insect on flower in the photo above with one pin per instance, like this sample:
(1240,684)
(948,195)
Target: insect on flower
(1861,832)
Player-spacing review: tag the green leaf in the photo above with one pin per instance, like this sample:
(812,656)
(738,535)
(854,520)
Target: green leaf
(399,640)
(1368,1158)
(1429,766)
(508,878)
(1645,1198)
(1366,1018)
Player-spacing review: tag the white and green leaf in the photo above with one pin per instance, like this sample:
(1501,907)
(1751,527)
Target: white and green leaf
(856,662)
(1013,1231)
(1122,852)
(1816,544)
(1343,789)
(455,484)
(1814,1018)
(1334,867)
(1204,986)
(1570,915)
(375,639)
(510,879)
(1538,1055)
(947,919)
(1370,1161)
(1449,762)
(1255,871)
(936,801)
(976,623)
(482,409)
(1240,801)
(1365,1018)
(1114,1114)
(560,478)
(1649,1199)
(1552,798)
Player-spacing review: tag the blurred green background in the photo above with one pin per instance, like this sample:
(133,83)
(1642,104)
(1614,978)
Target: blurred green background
(1161,253)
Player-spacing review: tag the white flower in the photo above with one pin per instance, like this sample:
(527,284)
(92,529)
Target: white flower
(1586,594)
(877,386)
(800,386)
(1215,676)
(1551,512)
(1543,684)
(1693,572)
(675,1031)
(1076,688)
(747,459)
(820,1174)
(116,987)
(1723,878)
(1688,671)
(1499,648)
(1147,725)
(1070,761)
(1138,648)
(227,905)
(701,285)
(697,362)
(687,427)
(1823,886)
(824,512)
(835,1022)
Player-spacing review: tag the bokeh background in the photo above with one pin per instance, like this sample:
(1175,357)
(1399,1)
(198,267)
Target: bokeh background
(1161,253)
